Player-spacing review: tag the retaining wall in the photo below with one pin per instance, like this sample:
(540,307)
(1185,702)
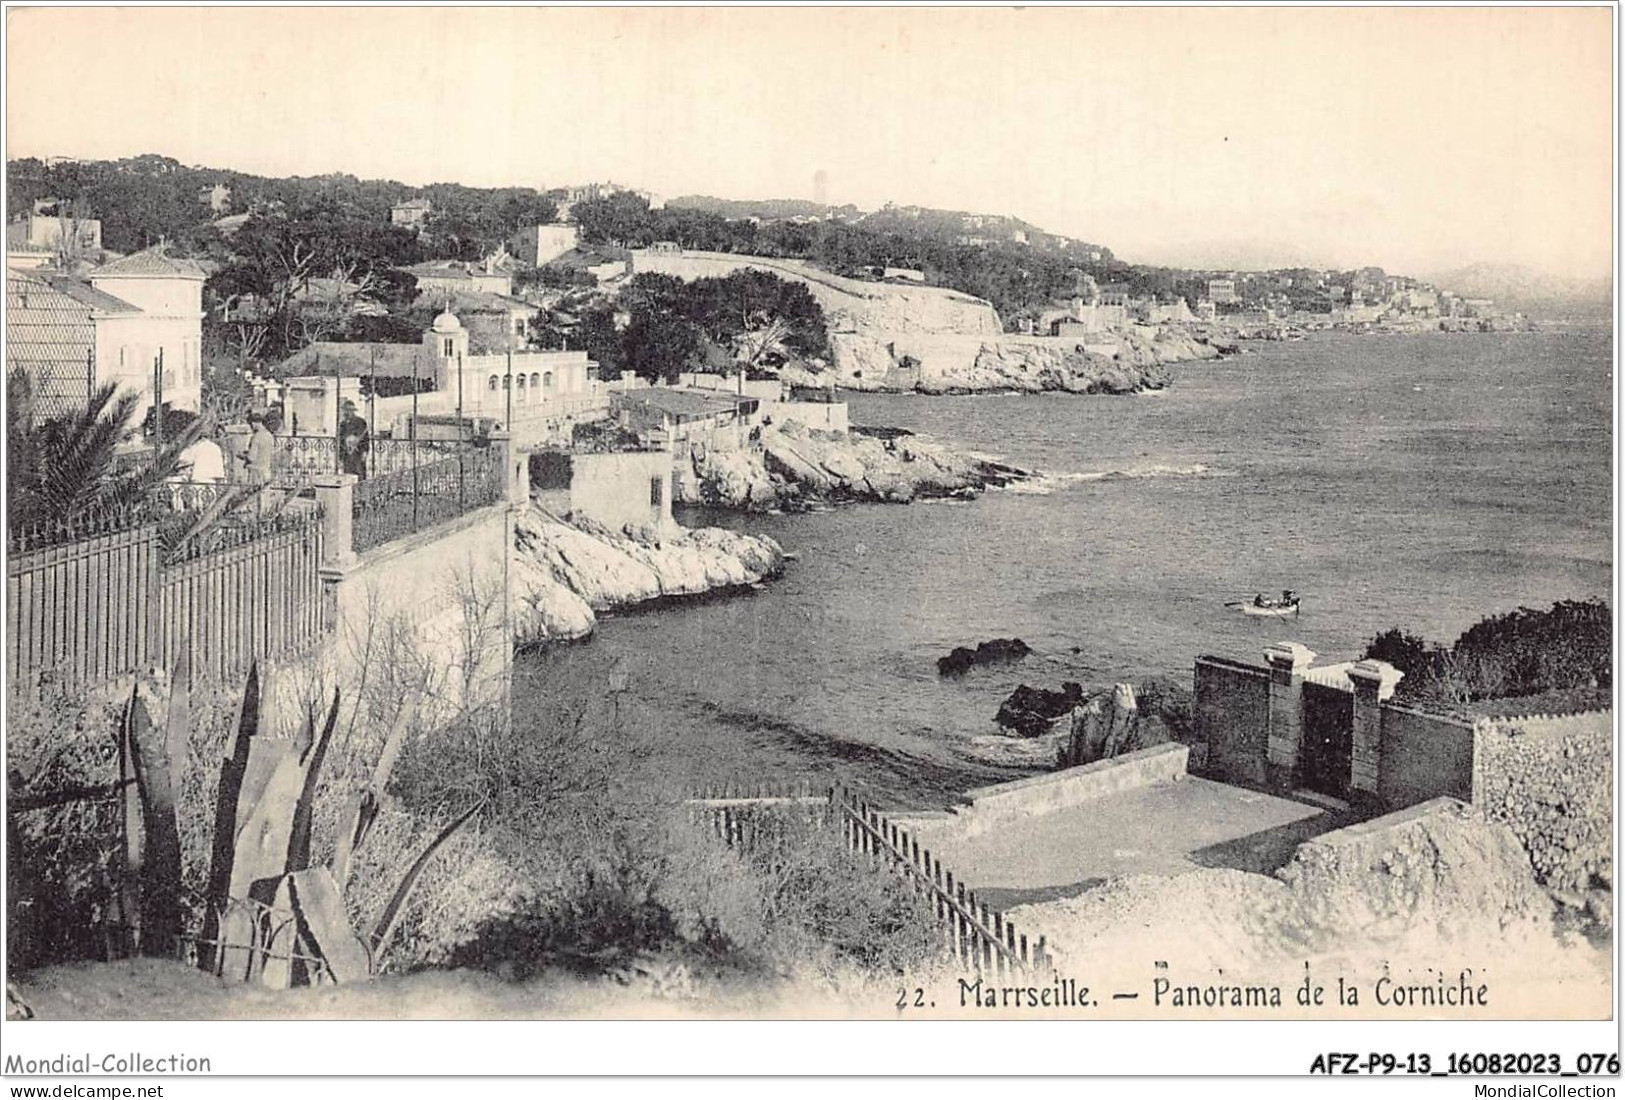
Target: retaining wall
(432,604)
(1550,779)
(1424,756)
(1042,794)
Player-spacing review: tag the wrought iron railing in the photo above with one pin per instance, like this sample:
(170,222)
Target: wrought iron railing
(22,538)
(389,456)
(258,515)
(298,456)
(396,504)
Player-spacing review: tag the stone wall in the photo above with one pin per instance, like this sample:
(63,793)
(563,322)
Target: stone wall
(433,604)
(1424,756)
(826,416)
(1060,790)
(617,489)
(1232,720)
(1551,780)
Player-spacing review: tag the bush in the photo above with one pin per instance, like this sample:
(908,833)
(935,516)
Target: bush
(1522,652)
(1406,652)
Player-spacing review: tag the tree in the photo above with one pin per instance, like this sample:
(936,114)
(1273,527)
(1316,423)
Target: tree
(763,344)
(62,471)
(227,396)
(658,347)
(1406,652)
(620,219)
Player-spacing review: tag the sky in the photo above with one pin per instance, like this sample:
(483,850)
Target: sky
(1416,139)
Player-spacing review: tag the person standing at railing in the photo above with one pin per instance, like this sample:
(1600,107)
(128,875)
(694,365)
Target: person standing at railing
(353,446)
(261,451)
(204,462)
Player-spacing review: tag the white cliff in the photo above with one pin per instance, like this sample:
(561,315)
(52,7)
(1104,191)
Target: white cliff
(565,573)
(906,337)
(792,465)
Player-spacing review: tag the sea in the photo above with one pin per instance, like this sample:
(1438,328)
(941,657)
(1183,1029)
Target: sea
(1417,481)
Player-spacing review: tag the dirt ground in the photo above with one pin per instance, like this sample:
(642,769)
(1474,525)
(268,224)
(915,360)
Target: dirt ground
(1164,829)
(1448,894)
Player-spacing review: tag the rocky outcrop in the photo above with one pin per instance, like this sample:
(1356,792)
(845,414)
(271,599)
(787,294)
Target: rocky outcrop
(794,466)
(565,573)
(850,305)
(1119,361)
(999,651)
(1031,712)
(1106,725)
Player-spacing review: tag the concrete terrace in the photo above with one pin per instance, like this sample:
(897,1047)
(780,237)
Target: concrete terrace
(1166,826)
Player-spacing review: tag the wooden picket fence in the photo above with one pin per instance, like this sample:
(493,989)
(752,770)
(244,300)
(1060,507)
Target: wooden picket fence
(735,811)
(975,934)
(82,609)
(92,610)
(261,598)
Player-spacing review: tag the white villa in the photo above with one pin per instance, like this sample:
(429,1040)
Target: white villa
(129,314)
(536,395)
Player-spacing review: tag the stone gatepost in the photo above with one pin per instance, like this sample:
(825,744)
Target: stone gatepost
(336,495)
(515,466)
(1374,682)
(1287,661)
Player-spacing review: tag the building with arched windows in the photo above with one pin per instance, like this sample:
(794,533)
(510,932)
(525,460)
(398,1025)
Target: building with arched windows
(533,394)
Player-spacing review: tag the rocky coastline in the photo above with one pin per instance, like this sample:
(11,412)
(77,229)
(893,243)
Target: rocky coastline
(793,467)
(566,574)
(1120,361)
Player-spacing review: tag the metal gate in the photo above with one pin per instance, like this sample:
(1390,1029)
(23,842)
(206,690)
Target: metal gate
(1327,754)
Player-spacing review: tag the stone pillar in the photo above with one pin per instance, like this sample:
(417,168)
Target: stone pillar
(1374,682)
(336,493)
(1287,661)
(515,466)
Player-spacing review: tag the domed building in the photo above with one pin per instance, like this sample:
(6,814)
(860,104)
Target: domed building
(445,384)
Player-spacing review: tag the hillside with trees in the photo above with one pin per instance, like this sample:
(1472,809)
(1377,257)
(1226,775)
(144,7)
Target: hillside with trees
(1018,278)
(749,320)
(141,200)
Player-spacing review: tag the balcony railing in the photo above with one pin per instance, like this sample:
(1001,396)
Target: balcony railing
(392,505)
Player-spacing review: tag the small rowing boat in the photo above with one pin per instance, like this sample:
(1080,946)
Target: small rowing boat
(1272,609)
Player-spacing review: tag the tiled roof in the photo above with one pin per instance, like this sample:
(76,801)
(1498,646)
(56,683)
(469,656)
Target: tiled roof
(414,204)
(475,301)
(85,294)
(681,402)
(152,263)
(358,359)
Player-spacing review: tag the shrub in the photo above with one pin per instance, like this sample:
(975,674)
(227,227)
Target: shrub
(1522,652)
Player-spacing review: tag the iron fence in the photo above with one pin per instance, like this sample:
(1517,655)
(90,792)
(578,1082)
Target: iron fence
(303,456)
(95,523)
(389,456)
(395,504)
(230,588)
